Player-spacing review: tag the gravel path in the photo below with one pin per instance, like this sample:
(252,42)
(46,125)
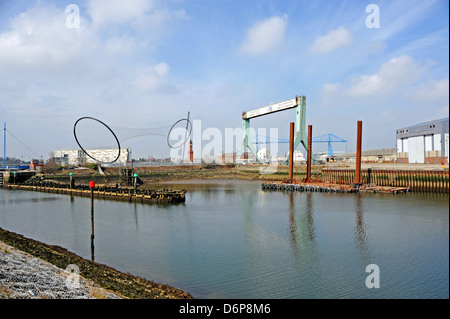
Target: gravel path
(23,276)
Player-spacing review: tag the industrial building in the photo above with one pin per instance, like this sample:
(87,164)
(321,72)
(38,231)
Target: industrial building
(383,155)
(426,142)
(78,157)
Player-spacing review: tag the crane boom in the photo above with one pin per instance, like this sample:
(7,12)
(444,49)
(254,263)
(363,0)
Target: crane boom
(273,108)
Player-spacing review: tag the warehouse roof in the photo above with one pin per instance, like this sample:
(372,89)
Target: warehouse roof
(427,123)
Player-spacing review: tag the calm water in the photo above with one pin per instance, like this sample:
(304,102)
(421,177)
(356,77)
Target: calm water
(233,240)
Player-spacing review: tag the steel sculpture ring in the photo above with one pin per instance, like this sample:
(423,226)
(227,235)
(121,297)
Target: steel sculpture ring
(85,152)
(188,123)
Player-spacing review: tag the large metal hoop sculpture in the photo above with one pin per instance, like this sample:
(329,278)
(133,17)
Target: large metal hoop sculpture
(188,124)
(115,137)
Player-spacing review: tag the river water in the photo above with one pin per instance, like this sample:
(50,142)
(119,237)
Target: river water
(230,239)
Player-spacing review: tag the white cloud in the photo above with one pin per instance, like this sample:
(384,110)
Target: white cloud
(392,74)
(39,39)
(154,80)
(433,94)
(140,15)
(333,40)
(117,11)
(432,91)
(116,44)
(265,36)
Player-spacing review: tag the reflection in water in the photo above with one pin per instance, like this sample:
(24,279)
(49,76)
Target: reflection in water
(307,222)
(136,217)
(28,200)
(302,233)
(92,232)
(292,225)
(237,241)
(359,230)
(92,248)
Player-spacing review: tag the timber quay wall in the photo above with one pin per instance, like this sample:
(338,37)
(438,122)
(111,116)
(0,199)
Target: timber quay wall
(415,180)
(124,194)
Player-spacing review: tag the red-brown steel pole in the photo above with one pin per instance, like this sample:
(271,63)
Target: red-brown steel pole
(191,152)
(291,152)
(308,160)
(358,154)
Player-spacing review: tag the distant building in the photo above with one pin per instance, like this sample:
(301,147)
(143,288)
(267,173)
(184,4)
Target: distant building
(424,142)
(246,157)
(383,155)
(226,158)
(263,155)
(78,157)
(35,165)
(299,157)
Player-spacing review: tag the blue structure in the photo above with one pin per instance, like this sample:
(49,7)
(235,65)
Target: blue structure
(14,167)
(260,139)
(328,138)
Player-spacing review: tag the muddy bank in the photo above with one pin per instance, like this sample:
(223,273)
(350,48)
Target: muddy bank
(155,174)
(104,276)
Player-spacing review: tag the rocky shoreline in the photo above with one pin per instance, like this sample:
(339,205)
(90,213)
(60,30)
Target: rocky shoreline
(33,270)
(23,276)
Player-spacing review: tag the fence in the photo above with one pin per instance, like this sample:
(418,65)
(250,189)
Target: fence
(417,181)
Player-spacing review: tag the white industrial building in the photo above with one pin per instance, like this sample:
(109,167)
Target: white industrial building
(298,157)
(263,155)
(78,157)
(426,142)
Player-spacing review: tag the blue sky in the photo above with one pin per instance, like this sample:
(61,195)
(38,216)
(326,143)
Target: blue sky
(145,64)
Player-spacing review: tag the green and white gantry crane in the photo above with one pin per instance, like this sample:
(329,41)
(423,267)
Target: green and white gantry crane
(298,102)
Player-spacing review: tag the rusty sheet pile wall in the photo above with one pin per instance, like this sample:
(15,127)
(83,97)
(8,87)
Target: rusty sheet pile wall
(417,181)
